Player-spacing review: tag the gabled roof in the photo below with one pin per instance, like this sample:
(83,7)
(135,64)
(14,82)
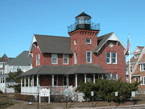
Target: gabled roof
(53,44)
(4,58)
(103,39)
(75,69)
(133,60)
(138,49)
(21,60)
(83,14)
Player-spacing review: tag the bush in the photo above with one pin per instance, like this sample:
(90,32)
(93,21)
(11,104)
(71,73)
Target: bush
(24,97)
(105,89)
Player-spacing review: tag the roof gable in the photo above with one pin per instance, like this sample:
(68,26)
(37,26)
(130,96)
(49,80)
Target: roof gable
(138,49)
(4,58)
(103,39)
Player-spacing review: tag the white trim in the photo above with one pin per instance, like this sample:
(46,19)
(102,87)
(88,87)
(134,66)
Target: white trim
(86,41)
(112,37)
(135,75)
(56,59)
(110,58)
(90,57)
(130,68)
(67,59)
(75,42)
(135,57)
(135,50)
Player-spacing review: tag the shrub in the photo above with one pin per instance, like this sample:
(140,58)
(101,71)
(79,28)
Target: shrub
(105,89)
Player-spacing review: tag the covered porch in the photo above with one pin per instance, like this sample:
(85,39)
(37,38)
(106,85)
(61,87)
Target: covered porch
(58,78)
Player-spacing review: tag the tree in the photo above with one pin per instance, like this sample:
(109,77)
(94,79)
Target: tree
(105,89)
(13,76)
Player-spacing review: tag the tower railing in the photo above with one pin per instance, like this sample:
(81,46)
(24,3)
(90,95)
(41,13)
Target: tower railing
(93,26)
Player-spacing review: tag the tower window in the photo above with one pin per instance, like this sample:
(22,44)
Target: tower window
(75,58)
(108,58)
(75,42)
(114,58)
(88,41)
(54,58)
(89,57)
(65,58)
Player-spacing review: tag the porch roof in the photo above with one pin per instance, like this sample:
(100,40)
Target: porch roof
(66,70)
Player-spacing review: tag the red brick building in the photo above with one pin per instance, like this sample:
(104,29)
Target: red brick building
(59,62)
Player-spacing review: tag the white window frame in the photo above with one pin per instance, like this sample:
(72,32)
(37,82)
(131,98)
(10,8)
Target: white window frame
(66,58)
(131,68)
(38,59)
(90,56)
(75,57)
(135,56)
(87,42)
(114,57)
(55,57)
(1,66)
(138,79)
(116,76)
(142,80)
(75,42)
(142,67)
(108,57)
(110,76)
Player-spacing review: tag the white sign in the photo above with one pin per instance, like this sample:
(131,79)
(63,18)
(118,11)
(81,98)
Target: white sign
(66,92)
(38,87)
(45,92)
(133,94)
(92,93)
(116,94)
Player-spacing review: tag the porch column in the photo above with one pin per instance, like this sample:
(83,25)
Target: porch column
(24,81)
(2,80)
(98,76)
(52,80)
(21,82)
(85,77)
(102,76)
(38,80)
(67,78)
(33,80)
(28,81)
(94,78)
(76,81)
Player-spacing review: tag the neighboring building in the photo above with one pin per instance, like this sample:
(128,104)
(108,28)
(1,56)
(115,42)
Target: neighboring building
(61,62)
(23,62)
(137,68)
(3,60)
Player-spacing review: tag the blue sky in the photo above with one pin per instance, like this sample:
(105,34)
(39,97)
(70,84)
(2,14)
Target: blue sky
(20,19)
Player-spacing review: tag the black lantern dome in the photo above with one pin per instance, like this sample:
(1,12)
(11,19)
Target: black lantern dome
(83,21)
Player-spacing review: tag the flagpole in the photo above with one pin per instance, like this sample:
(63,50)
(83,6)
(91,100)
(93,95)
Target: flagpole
(129,59)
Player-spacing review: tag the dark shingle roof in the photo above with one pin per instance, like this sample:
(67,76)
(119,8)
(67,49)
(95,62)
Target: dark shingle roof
(83,14)
(76,69)
(4,58)
(101,40)
(22,59)
(54,44)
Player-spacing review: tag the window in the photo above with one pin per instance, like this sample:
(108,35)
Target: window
(1,64)
(114,76)
(114,58)
(89,57)
(75,42)
(0,72)
(143,80)
(136,79)
(108,58)
(109,76)
(88,79)
(65,59)
(54,58)
(55,80)
(15,68)
(75,58)
(127,77)
(38,59)
(142,67)
(135,56)
(88,41)
(126,71)
(131,69)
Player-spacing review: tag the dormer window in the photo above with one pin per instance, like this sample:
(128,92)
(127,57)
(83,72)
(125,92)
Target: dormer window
(88,41)
(54,58)
(1,64)
(37,59)
(135,56)
(75,42)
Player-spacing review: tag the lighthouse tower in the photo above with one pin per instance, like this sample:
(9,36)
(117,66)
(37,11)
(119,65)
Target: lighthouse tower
(83,34)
